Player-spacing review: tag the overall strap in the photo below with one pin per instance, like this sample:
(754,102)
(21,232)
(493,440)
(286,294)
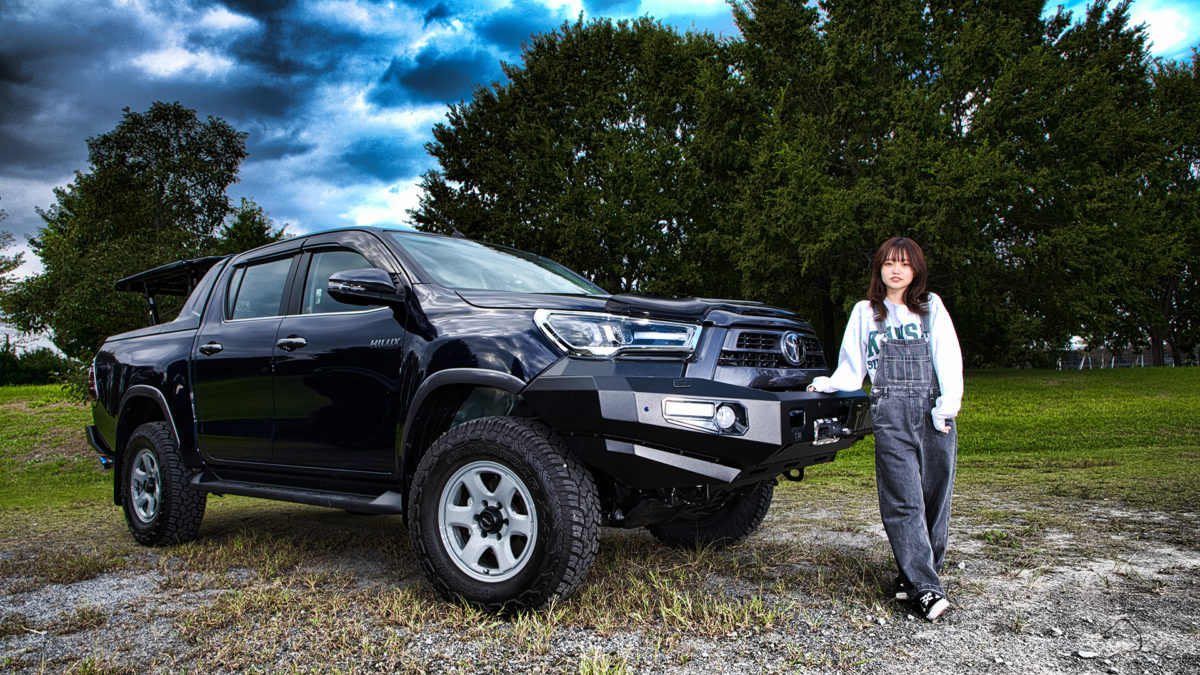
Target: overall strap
(926,331)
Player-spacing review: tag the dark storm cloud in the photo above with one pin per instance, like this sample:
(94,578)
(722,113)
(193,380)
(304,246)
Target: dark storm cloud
(434,77)
(261,10)
(510,27)
(388,158)
(37,59)
(264,148)
(429,5)
(52,89)
(290,47)
(440,11)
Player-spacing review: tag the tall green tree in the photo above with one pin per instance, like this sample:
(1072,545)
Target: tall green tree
(1072,118)
(246,228)
(154,193)
(585,155)
(866,133)
(1156,277)
(1016,147)
(8,263)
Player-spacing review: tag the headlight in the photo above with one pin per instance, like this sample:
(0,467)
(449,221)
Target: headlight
(602,335)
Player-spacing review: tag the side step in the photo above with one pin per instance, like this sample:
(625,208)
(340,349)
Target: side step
(388,502)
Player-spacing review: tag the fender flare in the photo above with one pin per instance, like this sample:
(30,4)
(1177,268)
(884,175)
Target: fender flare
(448,377)
(146,391)
(480,376)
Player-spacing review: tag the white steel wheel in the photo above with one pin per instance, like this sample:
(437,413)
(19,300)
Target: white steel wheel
(488,521)
(154,487)
(502,516)
(145,486)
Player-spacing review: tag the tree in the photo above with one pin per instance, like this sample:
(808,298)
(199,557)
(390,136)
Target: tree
(1157,279)
(8,263)
(38,366)
(1071,117)
(585,155)
(1014,147)
(155,193)
(866,133)
(246,228)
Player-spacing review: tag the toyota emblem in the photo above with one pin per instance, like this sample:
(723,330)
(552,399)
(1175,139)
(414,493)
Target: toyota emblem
(792,348)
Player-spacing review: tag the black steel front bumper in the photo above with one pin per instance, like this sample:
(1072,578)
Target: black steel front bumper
(623,426)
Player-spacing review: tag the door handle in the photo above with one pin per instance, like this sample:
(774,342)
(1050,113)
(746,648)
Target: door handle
(290,344)
(210,348)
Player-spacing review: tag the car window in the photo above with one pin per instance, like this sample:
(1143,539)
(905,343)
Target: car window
(257,290)
(465,264)
(324,263)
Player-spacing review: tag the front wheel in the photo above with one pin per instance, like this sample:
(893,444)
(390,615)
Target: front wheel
(161,507)
(729,524)
(502,516)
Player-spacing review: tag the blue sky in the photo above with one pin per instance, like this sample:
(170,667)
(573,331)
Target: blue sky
(338,96)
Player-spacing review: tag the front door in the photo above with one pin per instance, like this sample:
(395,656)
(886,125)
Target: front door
(337,375)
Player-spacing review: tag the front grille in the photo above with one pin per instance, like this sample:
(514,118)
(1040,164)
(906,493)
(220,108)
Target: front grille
(758,341)
(757,349)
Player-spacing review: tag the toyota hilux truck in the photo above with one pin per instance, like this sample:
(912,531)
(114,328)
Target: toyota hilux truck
(504,405)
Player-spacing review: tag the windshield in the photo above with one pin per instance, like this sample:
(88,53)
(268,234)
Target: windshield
(463,264)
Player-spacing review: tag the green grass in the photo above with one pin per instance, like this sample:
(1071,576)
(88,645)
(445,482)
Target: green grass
(290,580)
(1128,435)
(45,461)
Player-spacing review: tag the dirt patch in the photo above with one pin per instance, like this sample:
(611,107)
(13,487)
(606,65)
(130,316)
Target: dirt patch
(66,447)
(54,443)
(1073,588)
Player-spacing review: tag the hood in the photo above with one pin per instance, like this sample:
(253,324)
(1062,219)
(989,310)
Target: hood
(506,300)
(700,310)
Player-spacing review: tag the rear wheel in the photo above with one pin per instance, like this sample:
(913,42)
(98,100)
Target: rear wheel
(161,507)
(501,516)
(728,525)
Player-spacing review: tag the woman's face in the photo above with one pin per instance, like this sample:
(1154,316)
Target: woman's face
(896,272)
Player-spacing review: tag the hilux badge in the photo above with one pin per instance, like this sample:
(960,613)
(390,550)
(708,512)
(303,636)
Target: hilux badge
(792,348)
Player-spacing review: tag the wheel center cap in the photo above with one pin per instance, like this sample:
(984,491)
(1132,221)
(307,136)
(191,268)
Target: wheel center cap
(490,519)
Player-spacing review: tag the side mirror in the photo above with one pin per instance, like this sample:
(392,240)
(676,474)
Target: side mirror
(366,286)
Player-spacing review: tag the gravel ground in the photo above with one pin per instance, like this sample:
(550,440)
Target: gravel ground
(1087,599)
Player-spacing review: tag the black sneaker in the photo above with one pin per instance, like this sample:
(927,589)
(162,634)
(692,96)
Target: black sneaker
(930,604)
(902,589)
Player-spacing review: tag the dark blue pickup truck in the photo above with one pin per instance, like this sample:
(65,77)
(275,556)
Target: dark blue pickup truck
(506,406)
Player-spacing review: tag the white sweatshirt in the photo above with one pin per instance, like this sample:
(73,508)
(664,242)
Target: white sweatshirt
(860,352)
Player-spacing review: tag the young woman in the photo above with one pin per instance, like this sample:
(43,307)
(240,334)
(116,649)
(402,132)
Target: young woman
(903,339)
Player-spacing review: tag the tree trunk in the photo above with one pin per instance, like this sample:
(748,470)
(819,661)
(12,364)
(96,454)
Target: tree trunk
(1176,354)
(1157,337)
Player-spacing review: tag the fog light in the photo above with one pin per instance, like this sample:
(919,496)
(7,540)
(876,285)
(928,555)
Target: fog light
(720,417)
(690,410)
(726,417)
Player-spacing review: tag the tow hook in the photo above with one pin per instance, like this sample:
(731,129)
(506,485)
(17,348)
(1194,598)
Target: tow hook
(829,430)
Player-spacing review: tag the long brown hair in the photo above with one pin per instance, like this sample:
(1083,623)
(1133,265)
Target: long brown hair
(915,296)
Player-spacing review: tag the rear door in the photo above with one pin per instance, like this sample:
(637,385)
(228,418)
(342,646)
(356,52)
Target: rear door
(232,358)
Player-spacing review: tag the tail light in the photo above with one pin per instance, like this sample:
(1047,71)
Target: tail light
(91,382)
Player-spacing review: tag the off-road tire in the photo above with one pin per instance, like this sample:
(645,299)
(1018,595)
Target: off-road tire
(736,522)
(564,525)
(168,510)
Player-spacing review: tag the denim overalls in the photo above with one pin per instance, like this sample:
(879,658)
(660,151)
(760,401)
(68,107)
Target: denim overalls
(914,463)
